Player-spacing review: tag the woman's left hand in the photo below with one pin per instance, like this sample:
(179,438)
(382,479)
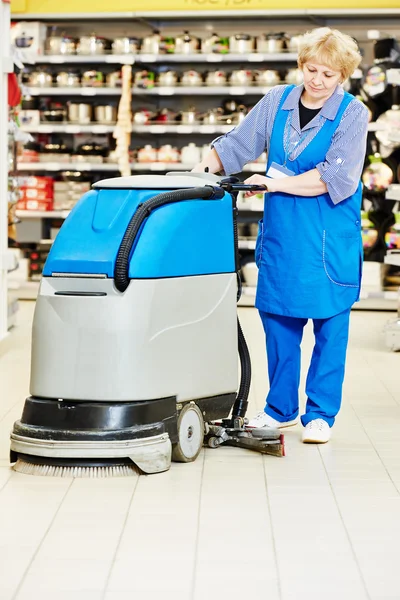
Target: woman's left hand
(259,180)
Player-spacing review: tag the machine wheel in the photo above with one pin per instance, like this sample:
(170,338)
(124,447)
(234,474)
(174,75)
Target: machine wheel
(190,434)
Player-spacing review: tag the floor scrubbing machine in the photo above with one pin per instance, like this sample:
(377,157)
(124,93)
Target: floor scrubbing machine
(135,333)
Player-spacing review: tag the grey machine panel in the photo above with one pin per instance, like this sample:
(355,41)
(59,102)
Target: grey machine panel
(161,337)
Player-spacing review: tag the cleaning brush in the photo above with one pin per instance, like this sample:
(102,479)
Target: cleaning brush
(94,472)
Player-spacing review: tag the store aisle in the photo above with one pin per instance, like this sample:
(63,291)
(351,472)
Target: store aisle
(322,523)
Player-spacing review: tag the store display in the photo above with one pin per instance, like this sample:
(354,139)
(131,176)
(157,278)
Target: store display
(191,78)
(60,45)
(125,45)
(105,113)
(241,43)
(40,78)
(93,45)
(270,42)
(29,36)
(267,77)
(186,44)
(79,112)
(68,78)
(92,78)
(215,44)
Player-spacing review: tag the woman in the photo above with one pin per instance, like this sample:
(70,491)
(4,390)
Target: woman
(309,249)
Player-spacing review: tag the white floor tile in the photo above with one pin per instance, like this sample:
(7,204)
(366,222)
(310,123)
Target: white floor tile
(233,524)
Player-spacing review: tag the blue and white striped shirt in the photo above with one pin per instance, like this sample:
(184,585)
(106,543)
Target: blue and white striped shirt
(341,170)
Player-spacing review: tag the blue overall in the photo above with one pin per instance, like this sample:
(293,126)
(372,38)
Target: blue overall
(309,254)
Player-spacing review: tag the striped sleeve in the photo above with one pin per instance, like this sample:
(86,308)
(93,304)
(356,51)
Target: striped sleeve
(342,167)
(246,142)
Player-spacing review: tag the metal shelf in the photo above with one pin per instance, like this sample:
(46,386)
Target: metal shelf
(393,258)
(205,90)
(160,167)
(156,91)
(72,91)
(67,128)
(99,129)
(164,58)
(42,214)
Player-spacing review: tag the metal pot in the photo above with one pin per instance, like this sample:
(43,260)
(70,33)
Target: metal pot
(239,115)
(213,116)
(151,43)
(92,44)
(141,117)
(92,148)
(270,42)
(293,42)
(241,77)
(191,78)
(144,79)
(267,77)
(188,117)
(68,79)
(79,113)
(294,76)
(104,113)
(40,79)
(56,115)
(61,44)
(56,148)
(168,78)
(215,44)
(241,43)
(125,45)
(92,78)
(216,78)
(186,44)
(24,41)
(114,79)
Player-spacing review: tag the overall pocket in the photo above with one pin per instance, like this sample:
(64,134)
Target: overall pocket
(259,243)
(341,256)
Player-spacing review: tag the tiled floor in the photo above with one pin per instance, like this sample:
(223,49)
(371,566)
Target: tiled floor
(323,523)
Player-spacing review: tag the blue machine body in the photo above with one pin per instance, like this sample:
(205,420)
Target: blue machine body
(193,237)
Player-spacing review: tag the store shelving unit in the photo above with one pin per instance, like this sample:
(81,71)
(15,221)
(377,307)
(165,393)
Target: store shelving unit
(6,66)
(355,22)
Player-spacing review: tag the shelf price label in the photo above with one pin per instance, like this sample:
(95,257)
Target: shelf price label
(147,58)
(73,129)
(88,91)
(120,59)
(56,59)
(101,129)
(237,91)
(157,166)
(157,129)
(253,57)
(213,57)
(184,129)
(208,129)
(166,91)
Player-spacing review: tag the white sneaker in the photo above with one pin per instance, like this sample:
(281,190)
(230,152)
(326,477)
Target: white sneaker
(263,420)
(316,432)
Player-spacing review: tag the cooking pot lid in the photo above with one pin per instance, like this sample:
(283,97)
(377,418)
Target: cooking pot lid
(158,182)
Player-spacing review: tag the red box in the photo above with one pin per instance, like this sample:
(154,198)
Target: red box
(37,182)
(34,194)
(35,205)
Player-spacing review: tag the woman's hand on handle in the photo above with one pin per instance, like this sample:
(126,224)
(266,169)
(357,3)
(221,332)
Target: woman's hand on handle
(259,180)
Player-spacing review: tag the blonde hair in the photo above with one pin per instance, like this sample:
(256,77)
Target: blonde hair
(330,47)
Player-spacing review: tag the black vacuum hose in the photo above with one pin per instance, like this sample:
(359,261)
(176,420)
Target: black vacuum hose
(143,211)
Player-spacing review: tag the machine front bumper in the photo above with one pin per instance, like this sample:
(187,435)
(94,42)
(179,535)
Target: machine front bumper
(151,454)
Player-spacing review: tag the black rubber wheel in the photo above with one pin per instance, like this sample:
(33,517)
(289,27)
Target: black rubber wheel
(190,433)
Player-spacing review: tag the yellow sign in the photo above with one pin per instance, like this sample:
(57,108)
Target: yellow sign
(89,6)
